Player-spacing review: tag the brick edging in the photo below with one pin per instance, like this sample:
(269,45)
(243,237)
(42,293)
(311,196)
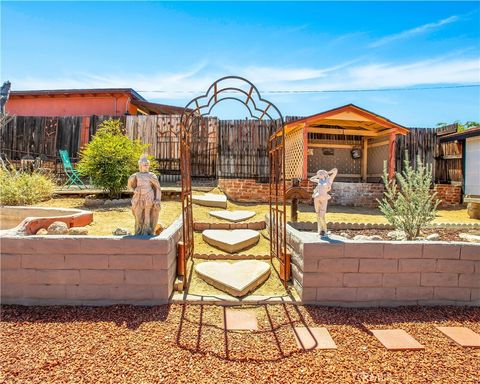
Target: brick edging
(226,256)
(201,226)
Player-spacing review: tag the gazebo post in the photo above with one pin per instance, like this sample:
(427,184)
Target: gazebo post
(364,160)
(391,155)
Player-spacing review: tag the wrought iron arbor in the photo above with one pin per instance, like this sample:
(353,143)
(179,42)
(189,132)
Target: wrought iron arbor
(241,90)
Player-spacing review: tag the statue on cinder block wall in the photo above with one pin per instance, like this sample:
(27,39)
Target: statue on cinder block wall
(146,198)
(320,196)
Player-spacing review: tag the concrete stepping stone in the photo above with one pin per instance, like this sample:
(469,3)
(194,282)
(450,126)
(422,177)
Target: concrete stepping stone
(240,320)
(234,216)
(237,279)
(462,335)
(321,338)
(210,200)
(231,241)
(396,339)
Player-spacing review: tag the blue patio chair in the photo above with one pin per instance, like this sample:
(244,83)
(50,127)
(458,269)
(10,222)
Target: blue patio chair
(73,176)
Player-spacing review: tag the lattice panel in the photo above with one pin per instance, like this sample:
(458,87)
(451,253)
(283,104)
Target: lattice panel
(376,158)
(294,155)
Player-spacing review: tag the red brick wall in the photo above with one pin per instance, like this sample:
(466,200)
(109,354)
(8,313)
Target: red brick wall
(450,195)
(348,194)
(356,194)
(245,190)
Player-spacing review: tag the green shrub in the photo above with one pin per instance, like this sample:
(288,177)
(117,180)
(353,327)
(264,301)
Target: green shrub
(21,188)
(111,157)
(409,205)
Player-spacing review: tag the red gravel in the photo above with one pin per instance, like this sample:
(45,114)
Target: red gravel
(187,344)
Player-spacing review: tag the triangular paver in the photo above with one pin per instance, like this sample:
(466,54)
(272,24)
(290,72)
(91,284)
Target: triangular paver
(210,200)
(462,335)
(237,279)
(321,338)
(231,241)
(234,216)
(238,320)
(396,339)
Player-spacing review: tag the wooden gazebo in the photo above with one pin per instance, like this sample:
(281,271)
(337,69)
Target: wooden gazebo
(351,138)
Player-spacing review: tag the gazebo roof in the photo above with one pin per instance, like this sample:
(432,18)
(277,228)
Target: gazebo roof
(348,120)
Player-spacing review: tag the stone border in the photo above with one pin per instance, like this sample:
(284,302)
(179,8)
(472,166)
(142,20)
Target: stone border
(342,272)
(225,256)
(31,224)
(89,270)
(339,225)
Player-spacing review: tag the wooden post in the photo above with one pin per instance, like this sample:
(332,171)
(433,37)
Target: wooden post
(364,160)
(294,204)
(294,210)
(285,268)
(391,155)
(181,270)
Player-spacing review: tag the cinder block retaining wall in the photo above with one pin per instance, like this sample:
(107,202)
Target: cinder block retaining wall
(384,273)
(89,270)
(346,194)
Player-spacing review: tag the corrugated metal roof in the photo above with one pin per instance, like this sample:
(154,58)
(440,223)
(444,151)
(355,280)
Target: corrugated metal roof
(50,92)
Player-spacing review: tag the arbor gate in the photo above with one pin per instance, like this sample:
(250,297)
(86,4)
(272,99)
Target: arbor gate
(241,90)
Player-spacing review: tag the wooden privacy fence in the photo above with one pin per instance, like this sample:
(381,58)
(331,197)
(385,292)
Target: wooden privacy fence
(40,137)
(221,148)
(161,132)
(243,148)
(445,158)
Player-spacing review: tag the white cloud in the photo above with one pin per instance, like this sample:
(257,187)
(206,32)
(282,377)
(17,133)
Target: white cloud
(413,32)
(352,75)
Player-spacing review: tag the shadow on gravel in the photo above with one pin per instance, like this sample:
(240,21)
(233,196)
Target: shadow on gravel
(122,315)
(272,341)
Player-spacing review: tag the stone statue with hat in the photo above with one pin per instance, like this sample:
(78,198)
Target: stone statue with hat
(146,198)
(320,196)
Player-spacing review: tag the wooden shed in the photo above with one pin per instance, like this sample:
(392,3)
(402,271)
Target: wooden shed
(355,141)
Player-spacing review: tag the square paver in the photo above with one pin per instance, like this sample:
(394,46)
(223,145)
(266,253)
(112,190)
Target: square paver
(321,338)
(238,320)
(396,339)
(462,335)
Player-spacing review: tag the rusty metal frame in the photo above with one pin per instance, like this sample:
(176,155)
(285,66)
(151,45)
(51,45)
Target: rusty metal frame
(259,109)
(278,212)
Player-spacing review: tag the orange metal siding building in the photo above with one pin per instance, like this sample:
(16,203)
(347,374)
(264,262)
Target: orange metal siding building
(84,102)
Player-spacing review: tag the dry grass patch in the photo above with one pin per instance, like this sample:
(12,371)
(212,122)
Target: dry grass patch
(372,215)
(105,220)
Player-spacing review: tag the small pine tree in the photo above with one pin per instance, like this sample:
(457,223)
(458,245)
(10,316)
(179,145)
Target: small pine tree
(110,158)
(409,205)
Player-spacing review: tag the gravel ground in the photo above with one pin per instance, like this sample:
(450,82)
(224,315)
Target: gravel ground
(187,343)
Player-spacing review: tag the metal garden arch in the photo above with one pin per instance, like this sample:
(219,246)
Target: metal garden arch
(239,89)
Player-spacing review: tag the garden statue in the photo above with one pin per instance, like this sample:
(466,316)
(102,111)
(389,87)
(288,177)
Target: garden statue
(4,94)
(320,196)
(146,198)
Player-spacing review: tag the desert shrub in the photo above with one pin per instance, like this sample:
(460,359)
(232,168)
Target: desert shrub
(111,157)
(21,188)
(409,205)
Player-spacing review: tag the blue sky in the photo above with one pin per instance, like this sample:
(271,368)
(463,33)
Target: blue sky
(180,48)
